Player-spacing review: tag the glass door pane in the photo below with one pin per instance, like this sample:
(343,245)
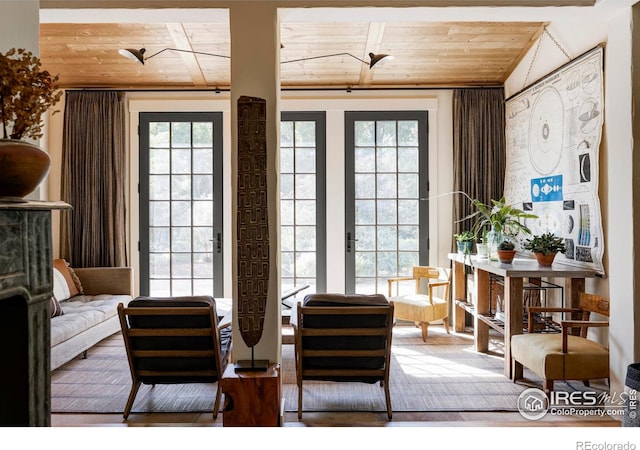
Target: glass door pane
(181,204)
(386,221)
(302,204)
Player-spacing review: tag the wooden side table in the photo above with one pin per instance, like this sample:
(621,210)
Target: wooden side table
(251,399)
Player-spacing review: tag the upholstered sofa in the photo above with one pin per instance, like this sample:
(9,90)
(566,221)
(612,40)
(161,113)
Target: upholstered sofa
(89,314)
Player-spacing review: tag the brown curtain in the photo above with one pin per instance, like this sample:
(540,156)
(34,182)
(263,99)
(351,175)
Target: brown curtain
(94,178)
(479,149)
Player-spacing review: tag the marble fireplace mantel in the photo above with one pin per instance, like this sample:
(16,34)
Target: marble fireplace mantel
(25,289)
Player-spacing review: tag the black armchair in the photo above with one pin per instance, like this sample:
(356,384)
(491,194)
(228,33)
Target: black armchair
(172,341)
(343,338)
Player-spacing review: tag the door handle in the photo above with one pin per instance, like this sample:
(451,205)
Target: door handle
(349,241)
(218,241)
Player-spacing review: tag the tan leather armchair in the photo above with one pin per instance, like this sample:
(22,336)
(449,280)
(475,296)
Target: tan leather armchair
(429,302)
(564,356)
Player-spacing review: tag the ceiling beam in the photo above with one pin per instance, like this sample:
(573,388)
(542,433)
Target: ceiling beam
(372,45)
(182,42)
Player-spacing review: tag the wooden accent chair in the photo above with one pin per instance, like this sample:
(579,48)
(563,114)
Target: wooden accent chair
(428,303)
(563,356)
(172,341)
(343,338)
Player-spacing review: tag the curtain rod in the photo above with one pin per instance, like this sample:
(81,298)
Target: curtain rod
(346,89)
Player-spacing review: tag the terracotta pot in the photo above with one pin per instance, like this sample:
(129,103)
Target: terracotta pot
(23,166)
(545,260)
(506,256)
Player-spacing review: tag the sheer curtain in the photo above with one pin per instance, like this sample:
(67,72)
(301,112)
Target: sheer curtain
(94,179)
(479,149)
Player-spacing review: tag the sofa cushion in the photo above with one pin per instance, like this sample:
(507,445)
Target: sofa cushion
(83,312)
(420,307)
(345,321)
(542,353)
(65,282)
(54,307)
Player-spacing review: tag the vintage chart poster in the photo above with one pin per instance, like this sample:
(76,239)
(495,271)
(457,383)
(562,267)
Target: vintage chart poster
(553,131)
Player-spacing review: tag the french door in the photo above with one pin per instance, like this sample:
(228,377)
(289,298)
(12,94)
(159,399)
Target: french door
(181,204)
(386,187)
(302,201)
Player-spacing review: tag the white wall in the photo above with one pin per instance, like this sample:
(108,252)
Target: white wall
(624,341)
(616,169)
(20,25)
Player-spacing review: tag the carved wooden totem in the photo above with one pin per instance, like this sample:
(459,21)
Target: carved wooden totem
(252,219)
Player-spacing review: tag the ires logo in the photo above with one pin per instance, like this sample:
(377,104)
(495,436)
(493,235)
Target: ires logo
(576,398)
(534,404)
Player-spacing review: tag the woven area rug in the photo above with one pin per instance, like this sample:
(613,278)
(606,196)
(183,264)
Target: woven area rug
(445,374)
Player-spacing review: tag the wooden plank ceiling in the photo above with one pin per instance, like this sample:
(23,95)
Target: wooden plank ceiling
(425,54)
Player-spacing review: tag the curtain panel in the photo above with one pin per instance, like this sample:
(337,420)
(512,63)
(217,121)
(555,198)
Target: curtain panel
(94,179)
(479,150)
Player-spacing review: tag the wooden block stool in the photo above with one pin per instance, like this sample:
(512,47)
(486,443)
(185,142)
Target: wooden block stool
(251,399)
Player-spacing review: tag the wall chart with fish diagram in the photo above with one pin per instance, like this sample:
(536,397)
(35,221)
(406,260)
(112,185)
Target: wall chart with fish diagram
(553,132)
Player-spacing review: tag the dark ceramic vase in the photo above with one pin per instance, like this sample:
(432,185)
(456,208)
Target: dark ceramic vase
(23,166)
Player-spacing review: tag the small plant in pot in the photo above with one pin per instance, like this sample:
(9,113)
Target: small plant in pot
(506,252)
(465,242)
(545,247)
(501,219)
(482,248)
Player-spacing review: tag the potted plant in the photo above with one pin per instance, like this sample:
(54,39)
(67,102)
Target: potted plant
(482,249)
(545,247)
(26,93)
(503,221)
(506,251)
(465,242)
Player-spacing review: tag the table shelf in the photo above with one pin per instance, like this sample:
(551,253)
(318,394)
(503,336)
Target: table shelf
(545,326)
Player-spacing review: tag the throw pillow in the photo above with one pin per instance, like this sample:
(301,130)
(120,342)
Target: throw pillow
(65,281)
(54,305)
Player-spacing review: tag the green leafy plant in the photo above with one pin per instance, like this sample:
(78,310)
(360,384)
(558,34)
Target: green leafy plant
(502,218)
(483,237)
(465,236)
(547,243)
(26,92)
(506,245)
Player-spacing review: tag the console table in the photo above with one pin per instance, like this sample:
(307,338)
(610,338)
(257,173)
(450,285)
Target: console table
(514,275)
